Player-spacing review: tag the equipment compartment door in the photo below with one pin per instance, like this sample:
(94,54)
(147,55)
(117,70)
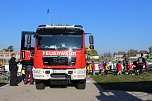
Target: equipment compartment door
(27,44)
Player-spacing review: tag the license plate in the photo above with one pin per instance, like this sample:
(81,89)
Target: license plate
(59,71)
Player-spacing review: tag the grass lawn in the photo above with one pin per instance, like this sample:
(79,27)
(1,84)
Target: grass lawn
(141,82)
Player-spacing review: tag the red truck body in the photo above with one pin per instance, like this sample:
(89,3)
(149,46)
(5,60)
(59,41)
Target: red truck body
(57,54)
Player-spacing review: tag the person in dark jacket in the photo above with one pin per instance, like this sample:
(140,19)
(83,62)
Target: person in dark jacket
(135,67)
(141,63)
(13,70)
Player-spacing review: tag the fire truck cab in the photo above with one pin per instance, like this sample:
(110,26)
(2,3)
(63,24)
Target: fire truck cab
(57,53)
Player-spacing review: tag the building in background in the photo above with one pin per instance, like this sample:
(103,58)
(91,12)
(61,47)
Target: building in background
(5,56)
(144,52)
(119,56)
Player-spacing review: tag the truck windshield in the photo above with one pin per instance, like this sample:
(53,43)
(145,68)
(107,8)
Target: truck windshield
(59,42)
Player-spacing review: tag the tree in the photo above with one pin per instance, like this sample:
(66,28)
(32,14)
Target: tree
(109,54)
(94,53)
(150,50)
(9,49)
(105,55)
(132,52)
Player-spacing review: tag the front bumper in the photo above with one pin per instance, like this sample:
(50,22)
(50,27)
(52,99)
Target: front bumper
(57,74)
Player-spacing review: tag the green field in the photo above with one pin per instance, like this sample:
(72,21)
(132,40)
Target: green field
(141,82)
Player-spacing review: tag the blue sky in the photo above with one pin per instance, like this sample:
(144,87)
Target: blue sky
(117,25)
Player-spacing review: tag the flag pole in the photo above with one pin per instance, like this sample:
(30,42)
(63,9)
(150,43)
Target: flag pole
(49,15)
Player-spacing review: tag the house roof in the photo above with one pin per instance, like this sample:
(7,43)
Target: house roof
(121,53)
(143,52)
(3,52)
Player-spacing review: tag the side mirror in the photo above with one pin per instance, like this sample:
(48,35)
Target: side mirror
(91,46)
(91,40)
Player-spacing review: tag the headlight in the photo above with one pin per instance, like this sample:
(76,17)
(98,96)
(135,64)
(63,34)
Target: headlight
(80,71)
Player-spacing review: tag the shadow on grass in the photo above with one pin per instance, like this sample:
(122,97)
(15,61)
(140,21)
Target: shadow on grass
(145,86)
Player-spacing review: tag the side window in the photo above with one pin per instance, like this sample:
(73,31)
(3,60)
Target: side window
(24,38)
(32,41)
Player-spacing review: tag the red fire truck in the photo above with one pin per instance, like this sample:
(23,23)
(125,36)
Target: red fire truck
(57,53)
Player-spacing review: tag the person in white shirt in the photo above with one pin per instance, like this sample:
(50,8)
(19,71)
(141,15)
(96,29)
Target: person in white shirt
(110,65)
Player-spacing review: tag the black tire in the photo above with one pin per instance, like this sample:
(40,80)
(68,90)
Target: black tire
(39,85)
(81,84)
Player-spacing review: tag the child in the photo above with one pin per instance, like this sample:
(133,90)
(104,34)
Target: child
(119,68)
(131,68)
(146,68)
(106,69)
(23,71)
(93,68)
(100,67)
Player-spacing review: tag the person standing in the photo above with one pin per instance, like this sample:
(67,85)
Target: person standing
(141,63)
(135,67)
(100,67)
(93,68)
(110,65)
(13,70)
(23,71)
(127,66)
(106,69)
(119,68)
(130,69)
(29,73)
(146,68)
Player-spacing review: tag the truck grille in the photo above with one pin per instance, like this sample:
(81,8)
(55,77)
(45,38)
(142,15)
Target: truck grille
(59,61)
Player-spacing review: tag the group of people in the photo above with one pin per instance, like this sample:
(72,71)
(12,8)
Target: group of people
(13,68)
(103,66)
(125,66)
(136,67)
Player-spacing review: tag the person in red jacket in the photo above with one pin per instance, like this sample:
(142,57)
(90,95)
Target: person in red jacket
(93,68)
(146,68)
(100,67)
(119,68)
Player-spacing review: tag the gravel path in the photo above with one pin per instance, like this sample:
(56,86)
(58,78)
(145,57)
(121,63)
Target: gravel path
(93,92)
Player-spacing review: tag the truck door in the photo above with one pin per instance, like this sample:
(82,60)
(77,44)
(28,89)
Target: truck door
(27,46)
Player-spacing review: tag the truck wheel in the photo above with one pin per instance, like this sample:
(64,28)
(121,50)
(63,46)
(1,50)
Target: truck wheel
(40,85)
(81,84)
